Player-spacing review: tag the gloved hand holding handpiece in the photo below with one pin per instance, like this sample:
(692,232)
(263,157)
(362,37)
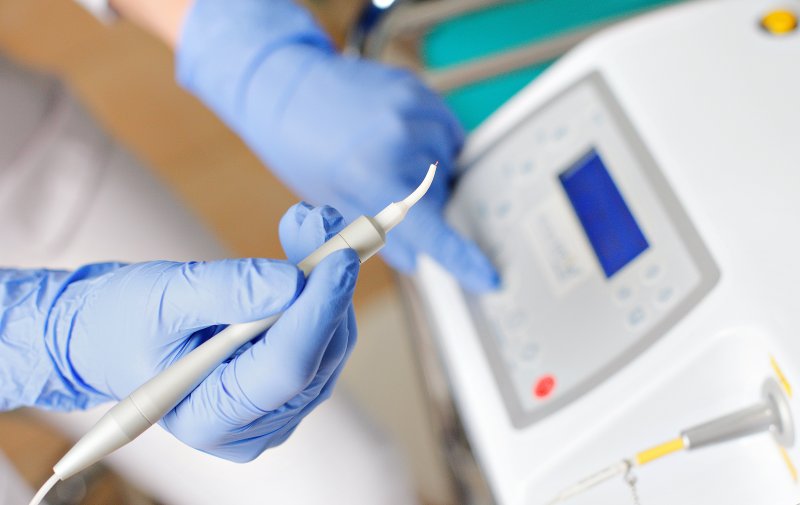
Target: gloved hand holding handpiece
(104,329)
(184,377)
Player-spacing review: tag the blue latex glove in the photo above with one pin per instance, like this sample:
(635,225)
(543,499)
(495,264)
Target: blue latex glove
(336,129)
(74,340)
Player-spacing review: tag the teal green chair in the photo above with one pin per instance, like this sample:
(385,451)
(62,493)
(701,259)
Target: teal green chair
(505,27)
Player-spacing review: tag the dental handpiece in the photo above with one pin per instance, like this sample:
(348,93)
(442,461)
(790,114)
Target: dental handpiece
(771,415)
(144,407)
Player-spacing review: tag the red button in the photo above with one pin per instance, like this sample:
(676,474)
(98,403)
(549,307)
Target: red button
(544,386)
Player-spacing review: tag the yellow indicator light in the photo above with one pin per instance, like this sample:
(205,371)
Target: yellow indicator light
(659,451)
(779,22)
(789,464)
(781,377)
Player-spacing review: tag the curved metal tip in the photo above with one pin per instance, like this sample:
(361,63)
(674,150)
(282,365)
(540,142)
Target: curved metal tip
(423,188)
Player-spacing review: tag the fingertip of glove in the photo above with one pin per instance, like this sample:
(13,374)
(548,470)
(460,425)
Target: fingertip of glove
(465,260)
(332,220)
(303,215)
(300,211)
(459,255)
(293,218)
(476,272)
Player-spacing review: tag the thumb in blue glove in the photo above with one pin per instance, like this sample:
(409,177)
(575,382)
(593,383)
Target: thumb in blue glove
(111,333)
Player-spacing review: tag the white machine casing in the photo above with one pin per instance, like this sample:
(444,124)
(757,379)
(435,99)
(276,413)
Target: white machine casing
(715,101)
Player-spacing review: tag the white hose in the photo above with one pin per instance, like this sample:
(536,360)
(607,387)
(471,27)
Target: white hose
(593,480)
(46,487)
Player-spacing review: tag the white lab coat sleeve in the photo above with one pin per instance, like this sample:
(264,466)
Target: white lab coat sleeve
(100,8)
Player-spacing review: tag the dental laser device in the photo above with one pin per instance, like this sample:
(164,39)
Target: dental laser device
(640,201)
(151,401)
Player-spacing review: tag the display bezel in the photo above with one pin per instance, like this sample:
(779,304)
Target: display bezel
(709,272)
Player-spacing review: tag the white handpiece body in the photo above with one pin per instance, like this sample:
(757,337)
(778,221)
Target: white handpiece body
(151,401)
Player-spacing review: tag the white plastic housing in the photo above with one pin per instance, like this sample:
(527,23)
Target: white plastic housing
(715,101)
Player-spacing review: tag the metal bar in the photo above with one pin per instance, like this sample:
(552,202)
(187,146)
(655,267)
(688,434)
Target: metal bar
(531,54)
(413,18)
(419,16)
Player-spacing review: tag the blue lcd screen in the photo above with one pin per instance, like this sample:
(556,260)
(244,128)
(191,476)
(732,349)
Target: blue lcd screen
(611,228)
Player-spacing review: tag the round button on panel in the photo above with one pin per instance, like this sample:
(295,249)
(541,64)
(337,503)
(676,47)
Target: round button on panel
(529,351)
(779,22)
(481,210)
(623,295)
(636,317)
(502,210)
(517,320)
(544,386)
(527,167)
(651,273)
(664,296)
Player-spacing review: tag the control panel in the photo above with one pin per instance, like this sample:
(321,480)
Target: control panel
(597,256)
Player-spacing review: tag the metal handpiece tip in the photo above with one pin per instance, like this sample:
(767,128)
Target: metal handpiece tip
(423,188)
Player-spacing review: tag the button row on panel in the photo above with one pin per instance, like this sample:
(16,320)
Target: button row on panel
(649,275)
(663,296)
(512,333)
(638,315)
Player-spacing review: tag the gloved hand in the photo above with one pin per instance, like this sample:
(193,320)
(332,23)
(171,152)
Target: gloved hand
(336,129)
(109,328)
